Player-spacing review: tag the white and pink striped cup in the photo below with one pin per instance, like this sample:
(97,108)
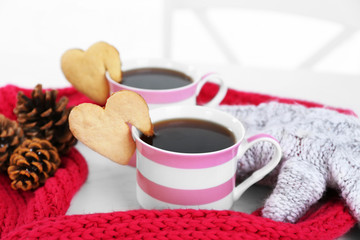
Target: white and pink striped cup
(183,95)
(168,179)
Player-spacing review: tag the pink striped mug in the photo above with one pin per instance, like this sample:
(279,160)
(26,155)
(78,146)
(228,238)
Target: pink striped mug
(168,179)
(185,95)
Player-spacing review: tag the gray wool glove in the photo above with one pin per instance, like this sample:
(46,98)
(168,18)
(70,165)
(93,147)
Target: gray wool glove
(321,148)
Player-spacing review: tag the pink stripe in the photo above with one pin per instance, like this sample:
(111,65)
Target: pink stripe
(262,135)
(185,197)
(158,96)
(187,161)
(207,74)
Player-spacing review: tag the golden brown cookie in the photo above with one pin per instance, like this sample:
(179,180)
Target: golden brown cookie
(106,130)
(85,70)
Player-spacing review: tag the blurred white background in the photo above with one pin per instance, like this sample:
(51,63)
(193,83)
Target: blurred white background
(295,48)
(34,34)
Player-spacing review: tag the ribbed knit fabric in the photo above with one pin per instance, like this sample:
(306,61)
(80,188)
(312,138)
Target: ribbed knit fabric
(53,199)
(41,213)
(321,148)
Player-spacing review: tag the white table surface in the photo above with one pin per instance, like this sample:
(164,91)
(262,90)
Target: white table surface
(111,187)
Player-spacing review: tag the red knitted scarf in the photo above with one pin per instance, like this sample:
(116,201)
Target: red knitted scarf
(41,213)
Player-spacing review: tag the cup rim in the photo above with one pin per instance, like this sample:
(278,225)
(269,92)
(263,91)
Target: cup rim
(137,133)
(158,63)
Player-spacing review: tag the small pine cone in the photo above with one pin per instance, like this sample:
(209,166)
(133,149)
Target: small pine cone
(11,136)
(42,117)
(34,161)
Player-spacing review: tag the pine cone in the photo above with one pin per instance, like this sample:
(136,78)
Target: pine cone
(42,117)
(34,161)
(11,136)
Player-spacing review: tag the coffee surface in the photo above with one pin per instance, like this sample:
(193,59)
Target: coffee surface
(190,136)
(155,78)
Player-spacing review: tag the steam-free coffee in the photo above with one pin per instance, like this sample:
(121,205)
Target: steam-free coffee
(190,136)
(155,78)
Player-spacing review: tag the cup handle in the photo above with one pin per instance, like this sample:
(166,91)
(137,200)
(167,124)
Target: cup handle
(213,77)
(262,172)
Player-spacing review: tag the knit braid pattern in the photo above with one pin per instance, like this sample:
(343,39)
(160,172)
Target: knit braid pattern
(40,214)
(321,148)
(53,199)
(185,224)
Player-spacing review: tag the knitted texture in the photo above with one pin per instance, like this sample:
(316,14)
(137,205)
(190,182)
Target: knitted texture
(324,224)
(41,213)
(17,207)
(321,148)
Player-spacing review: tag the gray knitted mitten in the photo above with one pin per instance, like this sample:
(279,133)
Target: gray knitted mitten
(321,148)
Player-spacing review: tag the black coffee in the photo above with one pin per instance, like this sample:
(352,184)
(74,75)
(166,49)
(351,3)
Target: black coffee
(190,136)
(155,78)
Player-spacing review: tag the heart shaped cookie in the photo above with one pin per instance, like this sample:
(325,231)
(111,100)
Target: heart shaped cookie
(106,130)
(85,70)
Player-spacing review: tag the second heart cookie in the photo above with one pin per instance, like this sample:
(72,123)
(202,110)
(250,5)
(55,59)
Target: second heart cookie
(85,70)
